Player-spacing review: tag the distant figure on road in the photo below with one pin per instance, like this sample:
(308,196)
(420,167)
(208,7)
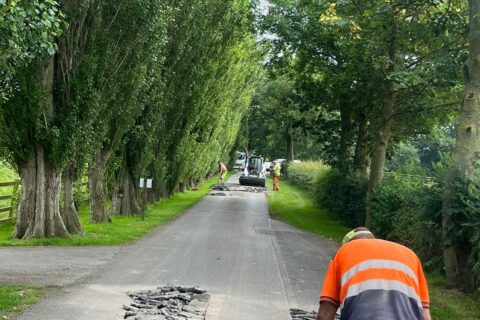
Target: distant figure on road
(222,172)
(373,279)
(277,172)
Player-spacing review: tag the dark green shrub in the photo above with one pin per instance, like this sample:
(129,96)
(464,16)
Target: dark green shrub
(343,195)
(407,209)
(464,223)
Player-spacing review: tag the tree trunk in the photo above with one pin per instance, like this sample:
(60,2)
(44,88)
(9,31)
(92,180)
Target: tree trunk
(181,187)
(124,199)
(381,144)
(98,191)
(384,132)
(38,211)
(290,147)
(362,152)
(467,153)
(345,145)
(69,212)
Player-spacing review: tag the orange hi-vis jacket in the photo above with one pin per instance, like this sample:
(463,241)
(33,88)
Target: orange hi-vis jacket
(372,279)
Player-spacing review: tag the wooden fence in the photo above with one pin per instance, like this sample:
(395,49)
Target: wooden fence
(10,209)
(427,181)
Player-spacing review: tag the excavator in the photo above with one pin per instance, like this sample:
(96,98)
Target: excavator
(254,174)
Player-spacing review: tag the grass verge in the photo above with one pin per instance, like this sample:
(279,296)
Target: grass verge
(450,304)
(122,230)
(294,206)
(15,299)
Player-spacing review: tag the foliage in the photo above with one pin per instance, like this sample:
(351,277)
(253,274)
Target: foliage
(28,29)
(464,214)
(343,195)
(307,174)
(407,209)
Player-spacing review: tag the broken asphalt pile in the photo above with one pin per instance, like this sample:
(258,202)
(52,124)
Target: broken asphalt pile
(168,303)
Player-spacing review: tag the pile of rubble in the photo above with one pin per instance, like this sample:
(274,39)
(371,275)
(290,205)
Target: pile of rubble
(168,303)
(298,314)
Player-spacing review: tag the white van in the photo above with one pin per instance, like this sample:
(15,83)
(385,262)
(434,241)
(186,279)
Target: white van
(240,161)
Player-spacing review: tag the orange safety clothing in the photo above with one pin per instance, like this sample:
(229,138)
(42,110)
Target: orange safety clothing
(276,183)
(376,279)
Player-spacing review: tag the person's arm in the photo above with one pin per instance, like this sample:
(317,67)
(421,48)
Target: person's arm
(426,314)
(326,311)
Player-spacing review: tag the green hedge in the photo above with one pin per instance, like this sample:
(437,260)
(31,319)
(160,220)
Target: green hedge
(343,196)
(307,174)
(408,210)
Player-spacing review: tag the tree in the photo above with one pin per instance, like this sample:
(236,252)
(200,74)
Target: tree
(457,249)
(132,36)
(28,29)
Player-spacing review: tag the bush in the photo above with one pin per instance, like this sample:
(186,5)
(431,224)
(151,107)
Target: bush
(306,174)
(464,212)
(407,210)
(344,197)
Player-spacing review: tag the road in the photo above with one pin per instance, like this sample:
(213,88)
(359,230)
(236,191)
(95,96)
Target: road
(253,267)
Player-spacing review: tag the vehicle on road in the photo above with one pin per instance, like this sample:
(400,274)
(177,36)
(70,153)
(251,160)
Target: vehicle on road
(240,161)
(267,165)
(254,173)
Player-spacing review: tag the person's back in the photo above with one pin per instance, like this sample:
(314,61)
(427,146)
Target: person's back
(372,279)
(277,167)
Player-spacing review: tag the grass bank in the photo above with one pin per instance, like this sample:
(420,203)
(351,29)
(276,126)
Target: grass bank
(295,206)
(15,299)
(122,230)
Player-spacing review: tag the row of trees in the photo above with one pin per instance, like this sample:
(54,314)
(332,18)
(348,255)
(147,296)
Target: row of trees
(118,90)
(364,75)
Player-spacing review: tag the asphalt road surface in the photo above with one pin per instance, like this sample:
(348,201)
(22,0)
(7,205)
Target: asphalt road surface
(253,267)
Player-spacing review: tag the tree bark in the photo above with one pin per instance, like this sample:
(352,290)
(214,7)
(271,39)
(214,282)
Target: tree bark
(98,190)
(362,152)
(290,146)
(38,211)
(69,211)
(381,144)
(345,145)
(384,132)
(467,154)
(124,199)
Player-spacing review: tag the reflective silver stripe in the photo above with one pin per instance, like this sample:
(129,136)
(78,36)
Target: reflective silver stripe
(381,264)
(356,289)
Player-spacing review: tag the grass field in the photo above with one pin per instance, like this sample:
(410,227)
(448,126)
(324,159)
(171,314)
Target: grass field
(294,206)
(122,230)
(15,299)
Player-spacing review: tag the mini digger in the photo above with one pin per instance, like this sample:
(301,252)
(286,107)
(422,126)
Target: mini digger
(254,174)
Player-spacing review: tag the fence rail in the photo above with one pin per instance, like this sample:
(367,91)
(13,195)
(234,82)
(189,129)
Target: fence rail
(428,181)
(10,209)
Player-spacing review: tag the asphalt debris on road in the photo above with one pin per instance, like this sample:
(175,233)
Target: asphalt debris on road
(168,303)
(220,194)
(233,187)
(298,314)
